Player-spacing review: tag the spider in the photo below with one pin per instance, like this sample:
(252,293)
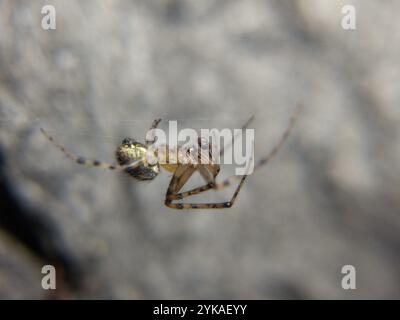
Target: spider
(131,158)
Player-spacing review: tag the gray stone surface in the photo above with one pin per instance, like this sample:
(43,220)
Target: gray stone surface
(331,198)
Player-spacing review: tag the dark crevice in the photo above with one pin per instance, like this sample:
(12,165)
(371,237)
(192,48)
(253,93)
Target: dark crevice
(36,231)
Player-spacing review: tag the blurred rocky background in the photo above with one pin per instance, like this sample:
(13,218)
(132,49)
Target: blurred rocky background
(331,197)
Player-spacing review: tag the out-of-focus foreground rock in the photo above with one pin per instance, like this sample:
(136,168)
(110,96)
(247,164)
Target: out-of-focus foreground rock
(331,197)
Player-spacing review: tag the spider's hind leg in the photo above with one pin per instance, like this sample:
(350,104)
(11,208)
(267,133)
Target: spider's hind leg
(170,197)
(181,176)
(209,173)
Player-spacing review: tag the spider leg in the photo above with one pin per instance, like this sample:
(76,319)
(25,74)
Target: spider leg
(183,176)
(208,167)
(171,195)
(209,172)
(178,196)
(229,181)
(172,192)
(210,185)
(153,126)
(209,176)
(282,140)
(87,162)
(229,145)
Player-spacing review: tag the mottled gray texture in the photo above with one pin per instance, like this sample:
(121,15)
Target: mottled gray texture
(332,197)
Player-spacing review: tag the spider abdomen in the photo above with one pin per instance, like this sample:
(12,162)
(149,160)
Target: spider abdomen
(143,172)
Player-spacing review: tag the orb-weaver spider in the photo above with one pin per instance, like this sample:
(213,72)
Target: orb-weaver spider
(131,158)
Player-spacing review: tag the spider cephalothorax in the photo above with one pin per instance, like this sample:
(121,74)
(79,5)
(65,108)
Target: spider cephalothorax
(132,157)
(130,152)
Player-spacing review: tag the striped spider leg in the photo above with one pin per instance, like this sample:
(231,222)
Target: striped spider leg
(209,173)
(84,161)
(131,157)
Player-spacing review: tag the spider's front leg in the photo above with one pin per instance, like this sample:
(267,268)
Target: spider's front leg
(84,161)
(150,140)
